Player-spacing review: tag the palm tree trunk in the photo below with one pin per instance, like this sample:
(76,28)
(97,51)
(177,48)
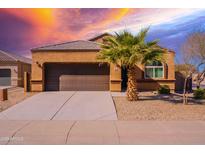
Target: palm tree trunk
(186,81)
(132,84)
(185,91)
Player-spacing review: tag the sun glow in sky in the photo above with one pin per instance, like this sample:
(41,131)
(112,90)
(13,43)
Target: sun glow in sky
(23,29)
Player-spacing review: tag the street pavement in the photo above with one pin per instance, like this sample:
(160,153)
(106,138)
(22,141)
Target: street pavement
(101,132)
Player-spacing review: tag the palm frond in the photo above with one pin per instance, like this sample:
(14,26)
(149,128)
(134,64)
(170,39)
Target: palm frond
(128,50)
(142,34)
(151,55)
(153,43)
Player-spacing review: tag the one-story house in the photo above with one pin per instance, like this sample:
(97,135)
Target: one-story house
(73,66)
(12,68)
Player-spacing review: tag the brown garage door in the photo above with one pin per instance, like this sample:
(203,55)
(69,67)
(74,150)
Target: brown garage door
(76,77)
(5,77)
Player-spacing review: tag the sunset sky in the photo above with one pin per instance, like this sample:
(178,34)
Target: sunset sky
(23,29)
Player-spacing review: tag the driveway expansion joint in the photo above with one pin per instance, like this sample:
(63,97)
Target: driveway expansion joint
(116,112)
(118,134)
(69,131)
(18,130)
(62,105)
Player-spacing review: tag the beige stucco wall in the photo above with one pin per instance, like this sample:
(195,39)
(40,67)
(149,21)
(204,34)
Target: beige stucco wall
(154,84)
(115,78)
(22,67)
(40,58)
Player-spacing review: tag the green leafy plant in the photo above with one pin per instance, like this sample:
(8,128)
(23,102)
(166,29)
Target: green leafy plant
(199,93)
(164,89)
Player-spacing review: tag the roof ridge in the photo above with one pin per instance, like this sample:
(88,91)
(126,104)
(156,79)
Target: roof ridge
(10,55)
(49,45)
(52,45)
(16,57)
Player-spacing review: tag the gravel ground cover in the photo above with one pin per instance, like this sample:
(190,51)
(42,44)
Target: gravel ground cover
(153,107)
(15,95)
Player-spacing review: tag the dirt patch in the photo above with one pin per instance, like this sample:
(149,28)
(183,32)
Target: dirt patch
(15,95)
(157,110)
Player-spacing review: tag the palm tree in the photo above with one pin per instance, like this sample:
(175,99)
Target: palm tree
(127,50)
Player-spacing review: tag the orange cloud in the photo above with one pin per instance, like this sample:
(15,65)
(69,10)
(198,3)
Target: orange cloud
(37,17)
(114,15)
(43,21)
(118,14)
(50,24)
(61,32)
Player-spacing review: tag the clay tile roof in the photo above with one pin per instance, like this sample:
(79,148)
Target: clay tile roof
(8,57)
(74,45)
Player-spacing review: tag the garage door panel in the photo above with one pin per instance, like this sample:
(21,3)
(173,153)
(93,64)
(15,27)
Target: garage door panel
(84,88)
(85,82)
(92,87)
(89,78)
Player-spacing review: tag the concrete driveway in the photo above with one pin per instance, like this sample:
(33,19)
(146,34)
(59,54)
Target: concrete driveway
(64,105)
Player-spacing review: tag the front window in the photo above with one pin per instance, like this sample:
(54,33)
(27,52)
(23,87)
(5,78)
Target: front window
(154,70)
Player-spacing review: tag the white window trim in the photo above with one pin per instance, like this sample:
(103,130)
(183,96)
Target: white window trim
(154,72)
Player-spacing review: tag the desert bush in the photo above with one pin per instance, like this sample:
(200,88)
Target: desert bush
(164,89)
(199,93)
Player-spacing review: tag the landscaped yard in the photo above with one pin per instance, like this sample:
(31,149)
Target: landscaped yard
(151,106)
(154,108)
(15,95)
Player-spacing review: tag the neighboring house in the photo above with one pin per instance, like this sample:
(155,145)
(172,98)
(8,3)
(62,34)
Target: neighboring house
(179,83)
(194,83)
(73,66)
(12,68)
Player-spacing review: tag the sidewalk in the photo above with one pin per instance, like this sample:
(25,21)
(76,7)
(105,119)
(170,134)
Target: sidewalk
(102,132)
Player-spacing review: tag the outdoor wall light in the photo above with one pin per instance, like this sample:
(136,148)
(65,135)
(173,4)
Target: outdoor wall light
(39,65)
(15,71)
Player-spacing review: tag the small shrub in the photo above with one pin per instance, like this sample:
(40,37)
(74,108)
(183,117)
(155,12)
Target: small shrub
(199,93)
(164,89)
